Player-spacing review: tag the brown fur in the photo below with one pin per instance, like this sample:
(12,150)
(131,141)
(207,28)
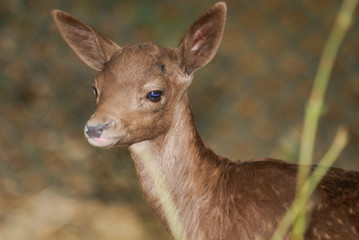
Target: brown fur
(215,198)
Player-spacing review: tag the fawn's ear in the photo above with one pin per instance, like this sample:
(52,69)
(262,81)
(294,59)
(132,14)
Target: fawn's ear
(92,48)
(202,39)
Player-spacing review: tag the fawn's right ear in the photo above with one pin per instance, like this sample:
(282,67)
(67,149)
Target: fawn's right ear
(92,48)
(202,39)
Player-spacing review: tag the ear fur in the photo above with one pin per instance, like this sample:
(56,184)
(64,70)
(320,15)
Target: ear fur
(202,39)
(92,48)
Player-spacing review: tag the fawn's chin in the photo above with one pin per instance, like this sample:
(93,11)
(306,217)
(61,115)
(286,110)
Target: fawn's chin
(102,142)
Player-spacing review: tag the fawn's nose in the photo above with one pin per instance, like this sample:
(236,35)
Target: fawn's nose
(95,131)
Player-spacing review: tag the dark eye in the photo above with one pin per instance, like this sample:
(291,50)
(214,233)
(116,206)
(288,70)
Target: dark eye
(155,96)
(94,90)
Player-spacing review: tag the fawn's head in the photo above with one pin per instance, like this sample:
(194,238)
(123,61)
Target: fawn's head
(138,86)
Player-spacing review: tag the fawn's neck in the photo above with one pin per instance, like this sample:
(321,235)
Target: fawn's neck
(185,163)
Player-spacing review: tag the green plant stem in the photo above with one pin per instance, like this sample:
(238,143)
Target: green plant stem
(167,203)
(311,183)
(326,63)
(315,104)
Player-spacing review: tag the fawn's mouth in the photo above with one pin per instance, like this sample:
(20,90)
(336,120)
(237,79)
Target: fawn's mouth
(102,141)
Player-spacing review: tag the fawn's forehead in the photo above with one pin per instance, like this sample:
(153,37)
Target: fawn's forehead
(139,63)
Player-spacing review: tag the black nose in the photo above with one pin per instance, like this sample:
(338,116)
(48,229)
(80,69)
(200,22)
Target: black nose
(95,131)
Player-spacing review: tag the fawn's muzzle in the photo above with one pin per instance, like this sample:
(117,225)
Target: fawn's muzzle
(95,131)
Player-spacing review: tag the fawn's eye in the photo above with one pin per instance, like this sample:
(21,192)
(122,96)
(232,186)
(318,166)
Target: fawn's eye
(155,96)
(94,90)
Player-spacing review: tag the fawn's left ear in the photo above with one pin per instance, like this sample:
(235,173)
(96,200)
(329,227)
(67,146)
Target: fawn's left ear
(202,39)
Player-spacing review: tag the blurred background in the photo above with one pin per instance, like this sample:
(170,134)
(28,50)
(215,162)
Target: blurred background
(248,103)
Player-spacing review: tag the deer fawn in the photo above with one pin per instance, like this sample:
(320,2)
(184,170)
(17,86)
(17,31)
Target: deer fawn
(142,103)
